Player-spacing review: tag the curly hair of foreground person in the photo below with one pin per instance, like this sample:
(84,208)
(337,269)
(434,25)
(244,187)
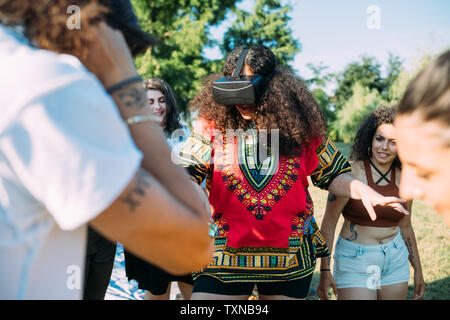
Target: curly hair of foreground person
(286,103)
(44,23)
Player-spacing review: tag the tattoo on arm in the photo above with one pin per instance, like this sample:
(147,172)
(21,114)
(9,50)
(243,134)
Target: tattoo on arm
(331,197)
(325,262)
(410,248)
(142,183)
(353,231)
(131,96)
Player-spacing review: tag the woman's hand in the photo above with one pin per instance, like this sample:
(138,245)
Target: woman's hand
(419,286)
(347,186)
(370,198)
(326,281)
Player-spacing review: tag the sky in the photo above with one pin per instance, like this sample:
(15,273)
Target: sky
(338,32)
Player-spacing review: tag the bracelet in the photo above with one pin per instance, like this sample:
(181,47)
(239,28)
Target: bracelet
(325,270)
(141,118)
(123,83)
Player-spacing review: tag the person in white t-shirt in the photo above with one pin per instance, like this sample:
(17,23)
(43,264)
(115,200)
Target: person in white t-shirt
(68,159)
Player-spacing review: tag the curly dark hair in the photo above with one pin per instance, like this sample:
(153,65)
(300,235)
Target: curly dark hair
(361,148)
(172,118)
(285,104)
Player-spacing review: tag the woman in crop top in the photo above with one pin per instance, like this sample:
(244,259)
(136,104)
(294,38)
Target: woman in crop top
(371,257)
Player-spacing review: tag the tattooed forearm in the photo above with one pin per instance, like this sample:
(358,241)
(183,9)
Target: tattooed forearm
(354,234)
(410,248)
(325,262)
(131,96)
(142,183)
(331,197)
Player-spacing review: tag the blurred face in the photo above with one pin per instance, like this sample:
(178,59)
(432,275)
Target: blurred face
(424,150)
(247,111)
(157,103)
(384,148)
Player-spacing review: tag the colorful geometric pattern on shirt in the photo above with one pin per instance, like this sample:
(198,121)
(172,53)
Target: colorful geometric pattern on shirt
(303,221)
(320,244)
(283,174)
(257,173)
(262,264)
(221,223)
(331,164)
(196,156)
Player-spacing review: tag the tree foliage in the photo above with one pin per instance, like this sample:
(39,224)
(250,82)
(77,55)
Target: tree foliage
(355,109)
(360,88)
(267,25)
(183,28)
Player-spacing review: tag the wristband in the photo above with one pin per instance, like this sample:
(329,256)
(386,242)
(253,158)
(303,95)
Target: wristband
(325,270)
(123,83)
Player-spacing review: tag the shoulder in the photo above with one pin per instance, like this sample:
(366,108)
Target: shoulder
(29,71)
(358,171)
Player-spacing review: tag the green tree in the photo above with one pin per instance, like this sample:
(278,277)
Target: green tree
(183,29)
(367,73)
(404,77)
(267,25)
(393,71)
(355,109)
(318,85)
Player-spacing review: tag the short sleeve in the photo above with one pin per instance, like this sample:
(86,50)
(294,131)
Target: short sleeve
(71,150)
(331,164)
(196,153)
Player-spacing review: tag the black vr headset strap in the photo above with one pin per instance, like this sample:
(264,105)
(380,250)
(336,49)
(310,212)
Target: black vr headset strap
(240,63)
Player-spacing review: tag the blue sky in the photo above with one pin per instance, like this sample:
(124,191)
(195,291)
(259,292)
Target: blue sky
(336,32)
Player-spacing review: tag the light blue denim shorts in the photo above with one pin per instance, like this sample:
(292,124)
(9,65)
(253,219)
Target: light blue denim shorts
(370,266)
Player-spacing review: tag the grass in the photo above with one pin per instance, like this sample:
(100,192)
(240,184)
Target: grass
(433,241)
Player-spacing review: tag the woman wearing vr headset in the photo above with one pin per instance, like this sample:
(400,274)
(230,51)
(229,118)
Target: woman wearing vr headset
(262,224)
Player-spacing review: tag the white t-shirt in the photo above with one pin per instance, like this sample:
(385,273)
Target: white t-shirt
(65,155)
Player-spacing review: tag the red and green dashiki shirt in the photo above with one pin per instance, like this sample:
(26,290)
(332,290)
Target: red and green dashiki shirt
(262,208)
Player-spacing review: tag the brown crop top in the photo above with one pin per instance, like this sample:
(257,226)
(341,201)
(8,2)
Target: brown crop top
(386,216)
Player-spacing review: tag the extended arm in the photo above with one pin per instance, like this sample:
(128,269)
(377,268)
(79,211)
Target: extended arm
(345,185)
(331,174)
(410,240)
(111,61)
(152,224)
(160,216)
(332,212)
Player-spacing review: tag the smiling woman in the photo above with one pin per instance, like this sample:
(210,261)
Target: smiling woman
(371,257)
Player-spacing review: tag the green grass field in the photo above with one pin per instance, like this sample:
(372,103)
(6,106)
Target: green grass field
(433,240)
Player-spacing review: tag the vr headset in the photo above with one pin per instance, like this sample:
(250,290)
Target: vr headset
(237,89)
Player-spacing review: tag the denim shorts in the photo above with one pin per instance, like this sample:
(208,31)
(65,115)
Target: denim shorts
(370,266)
